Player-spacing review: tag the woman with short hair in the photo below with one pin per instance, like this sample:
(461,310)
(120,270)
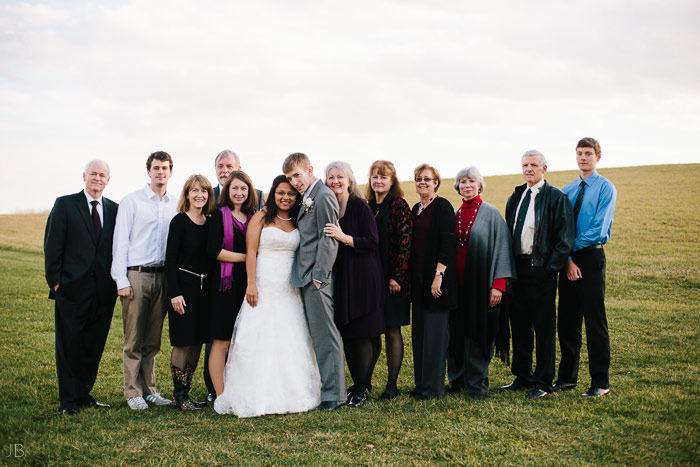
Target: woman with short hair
(484,265)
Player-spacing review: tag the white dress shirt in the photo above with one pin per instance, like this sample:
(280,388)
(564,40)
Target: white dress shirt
(99,207)
(141,232)
(308,190)
(527,237)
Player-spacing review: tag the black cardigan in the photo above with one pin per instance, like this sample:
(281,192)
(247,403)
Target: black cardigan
(440,248)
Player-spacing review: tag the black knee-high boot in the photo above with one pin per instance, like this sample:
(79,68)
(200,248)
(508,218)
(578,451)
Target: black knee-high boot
(182,401)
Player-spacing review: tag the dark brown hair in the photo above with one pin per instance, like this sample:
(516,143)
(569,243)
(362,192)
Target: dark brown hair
(271,205)
(161,156)
(589,143)
(225,200)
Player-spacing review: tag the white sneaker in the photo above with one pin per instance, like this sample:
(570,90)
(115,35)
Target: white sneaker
(157,399)
(137,403)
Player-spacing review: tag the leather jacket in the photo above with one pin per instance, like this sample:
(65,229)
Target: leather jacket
(555,229)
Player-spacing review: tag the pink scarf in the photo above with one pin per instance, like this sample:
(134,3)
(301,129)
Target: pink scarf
(227,244)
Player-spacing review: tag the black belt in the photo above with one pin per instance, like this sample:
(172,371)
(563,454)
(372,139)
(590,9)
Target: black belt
(590,247)
(147,269)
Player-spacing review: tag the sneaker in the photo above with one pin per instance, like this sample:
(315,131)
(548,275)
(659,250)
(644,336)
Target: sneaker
(137,403)
(157,399)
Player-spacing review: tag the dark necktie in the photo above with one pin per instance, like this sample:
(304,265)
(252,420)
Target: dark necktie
(517,233)
(96,219)
(579,200)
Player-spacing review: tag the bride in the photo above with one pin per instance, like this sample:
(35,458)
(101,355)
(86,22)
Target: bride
(271,367)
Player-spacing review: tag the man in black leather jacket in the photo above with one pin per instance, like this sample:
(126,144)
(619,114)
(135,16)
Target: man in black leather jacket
(543,233)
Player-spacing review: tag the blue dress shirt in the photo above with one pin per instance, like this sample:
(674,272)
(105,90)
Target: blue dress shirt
(597,209)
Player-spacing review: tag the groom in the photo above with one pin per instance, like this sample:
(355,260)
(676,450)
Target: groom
(313,273)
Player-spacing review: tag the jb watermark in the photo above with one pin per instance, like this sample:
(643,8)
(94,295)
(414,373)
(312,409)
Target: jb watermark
(15,450)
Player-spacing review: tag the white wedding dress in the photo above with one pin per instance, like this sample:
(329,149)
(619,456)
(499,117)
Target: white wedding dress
(271,368)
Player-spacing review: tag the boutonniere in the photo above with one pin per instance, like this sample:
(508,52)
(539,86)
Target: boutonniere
(308,205)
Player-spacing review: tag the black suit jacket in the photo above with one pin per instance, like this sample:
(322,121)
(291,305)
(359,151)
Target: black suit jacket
(72,254)
(261,198)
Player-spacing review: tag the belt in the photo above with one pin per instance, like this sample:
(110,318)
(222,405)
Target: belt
(201,277)
(147,269)
(590,247)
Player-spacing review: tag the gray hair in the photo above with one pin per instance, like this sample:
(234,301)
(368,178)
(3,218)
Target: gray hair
(346,170)
(469,172)
(96,161)
(227,153)
(535,152)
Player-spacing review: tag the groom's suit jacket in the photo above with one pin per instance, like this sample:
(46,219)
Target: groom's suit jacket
(316,253)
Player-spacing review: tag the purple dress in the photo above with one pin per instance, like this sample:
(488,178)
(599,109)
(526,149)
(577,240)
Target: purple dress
(359,284)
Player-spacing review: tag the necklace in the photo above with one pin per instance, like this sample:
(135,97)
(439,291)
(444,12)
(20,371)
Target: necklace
(422,206)
(464,230)
(282,218)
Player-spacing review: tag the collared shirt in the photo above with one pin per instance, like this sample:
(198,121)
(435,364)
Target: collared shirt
(99,207)
(308,190)
(527,237)
(141,232)
(595,218)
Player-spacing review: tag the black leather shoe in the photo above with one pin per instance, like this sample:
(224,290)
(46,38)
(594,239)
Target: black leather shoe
(389,394)
(211,397)
(562,386)
(514,386)
(596,392)
(93,403)
(328,405)
(537,393)
(357,400)
(69,412)
(415,394)
(477,396)
(455,388)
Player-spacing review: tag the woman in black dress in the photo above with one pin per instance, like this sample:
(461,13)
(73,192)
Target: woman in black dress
(393,217)
(226,243)
(359,291)
(433,283)
(186,268)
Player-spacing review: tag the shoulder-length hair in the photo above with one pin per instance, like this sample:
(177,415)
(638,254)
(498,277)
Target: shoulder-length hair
(436,174)
(469,172)
(346,170)
(184,204)
(385,168)
(225,200)
(271,205)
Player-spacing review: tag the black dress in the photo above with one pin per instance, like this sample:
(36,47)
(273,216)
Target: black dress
(359,283)
(224,305)
(187,249)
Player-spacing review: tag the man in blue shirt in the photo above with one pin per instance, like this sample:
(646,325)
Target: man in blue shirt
(582,285)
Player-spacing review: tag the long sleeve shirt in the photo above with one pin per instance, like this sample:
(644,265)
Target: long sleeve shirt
(595,218)
(141,232)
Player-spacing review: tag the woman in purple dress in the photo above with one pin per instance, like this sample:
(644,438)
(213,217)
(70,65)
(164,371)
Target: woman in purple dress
(359,291)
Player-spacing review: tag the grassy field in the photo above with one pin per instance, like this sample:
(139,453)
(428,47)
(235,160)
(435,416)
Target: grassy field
(651,417)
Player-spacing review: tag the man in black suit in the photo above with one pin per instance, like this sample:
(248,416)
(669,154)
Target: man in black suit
(77,259)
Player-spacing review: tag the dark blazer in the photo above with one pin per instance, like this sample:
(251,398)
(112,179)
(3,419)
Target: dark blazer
(440,248)
(72,254)
(554,226)
(261,198)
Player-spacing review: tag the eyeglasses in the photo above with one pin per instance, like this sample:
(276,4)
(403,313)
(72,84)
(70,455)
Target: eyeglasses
(291,194)
(424,179)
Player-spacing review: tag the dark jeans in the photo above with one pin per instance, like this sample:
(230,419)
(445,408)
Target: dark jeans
(584,299)
(534,309)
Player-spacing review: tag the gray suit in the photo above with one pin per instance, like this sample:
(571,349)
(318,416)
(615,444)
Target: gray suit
(314,260)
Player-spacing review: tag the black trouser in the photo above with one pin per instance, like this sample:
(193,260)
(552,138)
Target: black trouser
(82,320)
(429,335)
(467,365)
(207,378)
(584,298)
(534,310)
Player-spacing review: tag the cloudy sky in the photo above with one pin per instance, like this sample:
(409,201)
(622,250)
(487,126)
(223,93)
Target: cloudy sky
(453,83)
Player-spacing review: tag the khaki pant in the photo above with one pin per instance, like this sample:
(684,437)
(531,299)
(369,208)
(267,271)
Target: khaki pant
(143,325)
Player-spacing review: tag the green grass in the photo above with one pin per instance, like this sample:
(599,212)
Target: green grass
(651,417)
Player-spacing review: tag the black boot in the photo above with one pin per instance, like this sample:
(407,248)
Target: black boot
(182,401)
(189,373)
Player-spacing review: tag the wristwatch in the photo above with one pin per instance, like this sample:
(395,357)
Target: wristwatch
(439,273)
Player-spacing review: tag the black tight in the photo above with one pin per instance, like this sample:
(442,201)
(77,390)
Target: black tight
(394,356)
(361,354)
(181,356)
